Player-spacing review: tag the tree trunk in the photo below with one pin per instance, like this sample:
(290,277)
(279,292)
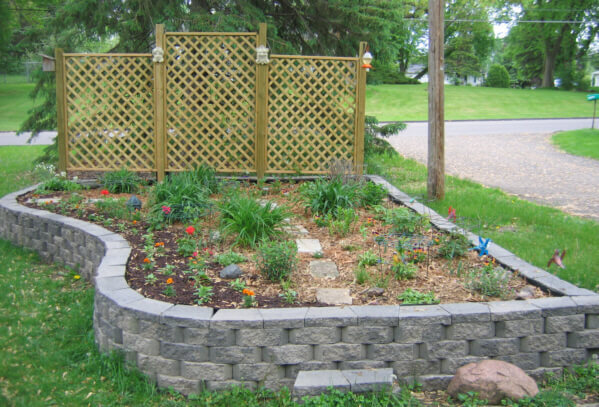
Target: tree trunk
(548,68)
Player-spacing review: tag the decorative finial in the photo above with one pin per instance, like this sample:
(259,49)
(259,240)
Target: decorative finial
(158,55)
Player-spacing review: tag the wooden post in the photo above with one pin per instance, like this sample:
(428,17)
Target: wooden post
(360,109)
(160,107)
(261,108)
(436,117)
(61,110)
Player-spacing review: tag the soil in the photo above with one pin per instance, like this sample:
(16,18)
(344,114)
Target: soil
(435,273)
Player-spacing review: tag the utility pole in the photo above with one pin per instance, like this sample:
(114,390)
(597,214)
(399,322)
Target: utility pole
(436,100)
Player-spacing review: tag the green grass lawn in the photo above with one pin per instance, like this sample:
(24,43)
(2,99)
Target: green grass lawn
(14,102)
(583,142)
(410,102)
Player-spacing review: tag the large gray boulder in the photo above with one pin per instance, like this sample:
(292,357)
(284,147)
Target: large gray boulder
(493,380)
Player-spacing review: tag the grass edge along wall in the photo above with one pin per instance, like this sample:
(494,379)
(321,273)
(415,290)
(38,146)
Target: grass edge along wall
(205,98)
(190,348)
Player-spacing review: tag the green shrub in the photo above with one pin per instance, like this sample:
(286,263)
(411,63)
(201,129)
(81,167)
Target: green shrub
(374,135)
(345,222)
(410,296)
(489,281)
(251,221)
(454,245)
(498,77)
(276,260)
(328,196)
(122,181)
(230,257)
(58,182)
(185,199)
(404,221)
(116,208)
(368,258)
(362,275)
(372,194)
(404,271)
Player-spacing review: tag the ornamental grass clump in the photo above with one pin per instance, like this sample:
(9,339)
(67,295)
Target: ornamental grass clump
(277,260)
(251,221)
(122,181)
(489,281)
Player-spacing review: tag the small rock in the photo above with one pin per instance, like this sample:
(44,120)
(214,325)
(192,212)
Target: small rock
(526,293)
(373,292)
(215,236)
(493,380)
(231,272)
(333,296)
(323,269)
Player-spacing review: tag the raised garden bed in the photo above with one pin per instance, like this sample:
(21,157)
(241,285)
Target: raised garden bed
(370,250)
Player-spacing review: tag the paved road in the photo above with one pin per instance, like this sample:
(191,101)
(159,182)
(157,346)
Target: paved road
(517,157)
(10,138)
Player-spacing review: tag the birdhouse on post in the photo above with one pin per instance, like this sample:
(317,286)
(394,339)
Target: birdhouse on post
(48,63)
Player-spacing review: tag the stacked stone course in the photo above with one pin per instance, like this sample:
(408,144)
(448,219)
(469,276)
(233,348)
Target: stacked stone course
(190,348)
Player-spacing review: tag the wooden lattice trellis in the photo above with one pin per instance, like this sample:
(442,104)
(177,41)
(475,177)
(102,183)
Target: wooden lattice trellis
(209,102)
(109,112)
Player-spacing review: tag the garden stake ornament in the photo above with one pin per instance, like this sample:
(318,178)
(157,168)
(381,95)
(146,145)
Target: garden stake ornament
(451,215)
(482,246)
(557,259)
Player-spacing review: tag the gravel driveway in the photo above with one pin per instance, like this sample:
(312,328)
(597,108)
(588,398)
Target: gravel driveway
(526,165)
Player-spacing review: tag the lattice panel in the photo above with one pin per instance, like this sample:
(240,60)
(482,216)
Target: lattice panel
(210,92)
(311,111)
(110,112)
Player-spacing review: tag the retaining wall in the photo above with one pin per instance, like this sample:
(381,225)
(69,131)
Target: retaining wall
(190,347)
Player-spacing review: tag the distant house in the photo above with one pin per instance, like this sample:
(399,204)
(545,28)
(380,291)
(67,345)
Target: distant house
(595,79)
(472,80)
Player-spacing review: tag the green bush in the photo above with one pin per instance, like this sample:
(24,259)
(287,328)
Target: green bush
(276,260)
(454,245)
(388,74)
(372,194)
(404,221)
(251,221)
(122,181)
(230,257)
(489,281)
(325,196)
(410,296)
(58,182)
(498,77)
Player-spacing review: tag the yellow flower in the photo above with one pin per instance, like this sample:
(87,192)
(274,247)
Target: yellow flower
(76,276)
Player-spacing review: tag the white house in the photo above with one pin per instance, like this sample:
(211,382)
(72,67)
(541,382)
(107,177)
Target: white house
(595,79)
(472,80)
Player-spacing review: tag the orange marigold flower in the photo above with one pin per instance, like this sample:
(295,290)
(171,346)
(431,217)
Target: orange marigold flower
(248,292)
(134,222)
(169,280)
(146,260)
(158,244)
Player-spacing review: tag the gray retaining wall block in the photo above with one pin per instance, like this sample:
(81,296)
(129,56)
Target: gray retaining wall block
(470,312)
(543,343)
(288,354)
(209,337)
(313,383)
(221,385)
(184,386)
(586,339)
(471,330)
(414,333)
(152,365)
(518,327)
(339,352)
(525,361)
(367,334)
(141,344)
(258,372)
(362,364)
(444,349)
(262,337)
(179,351)
(566,323)
(495,347)
(592,321)
(235,354)
(392,351)
(362,380)
(206,371)
(563,357)
(315,335)
(284,317)
(237,319)
(377,315)
(331,316)
(553,306)
(416,367)
(451,365)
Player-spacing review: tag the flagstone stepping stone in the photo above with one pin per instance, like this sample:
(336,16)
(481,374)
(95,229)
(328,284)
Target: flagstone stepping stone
(308,246)
(334,296)
(323,269)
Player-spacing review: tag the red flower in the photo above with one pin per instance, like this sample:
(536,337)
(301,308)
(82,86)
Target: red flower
(190,230)
(195,254)
(104,192)
(166,209)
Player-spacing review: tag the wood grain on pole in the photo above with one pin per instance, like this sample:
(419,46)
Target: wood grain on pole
(436,117)
(360,112)
(261,108)
(61,110)
(160,106)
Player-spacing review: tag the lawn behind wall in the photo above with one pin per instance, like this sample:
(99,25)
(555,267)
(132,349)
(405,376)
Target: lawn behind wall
(584,143)
(14,101)
(410,103)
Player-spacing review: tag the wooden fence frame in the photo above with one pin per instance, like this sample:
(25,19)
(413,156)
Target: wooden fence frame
(160,106)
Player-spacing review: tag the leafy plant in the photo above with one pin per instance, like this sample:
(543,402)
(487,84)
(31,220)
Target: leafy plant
(237,285)
(276,260)
(59,182)
(250,221)
(249,299)
(169,291)
(121,181)
(410,296)
(325,196)
(288,294)
(230,257)
(372,194)
(116,208)
(368,258)
(344,223)
(204,294)
(404,271)
(362,275)
(380,280)
(168,270)
(453,245)
(187,246)
(489,281)
(404,221)
(470,399)
(151,279)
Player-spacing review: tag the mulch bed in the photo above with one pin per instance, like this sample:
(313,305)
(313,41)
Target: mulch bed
(435,274)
